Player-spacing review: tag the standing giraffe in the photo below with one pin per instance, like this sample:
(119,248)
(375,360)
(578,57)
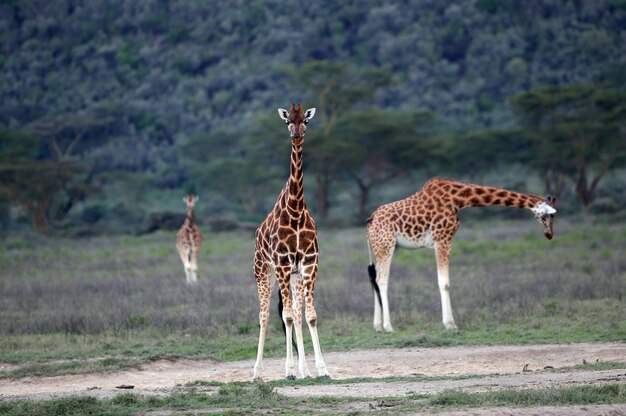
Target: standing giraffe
(189,241)
(286,252)
(428,219)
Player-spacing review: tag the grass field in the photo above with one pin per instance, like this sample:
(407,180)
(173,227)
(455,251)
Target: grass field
(108,303)
(115,302)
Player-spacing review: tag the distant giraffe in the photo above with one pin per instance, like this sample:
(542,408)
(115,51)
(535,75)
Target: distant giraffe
(189,241)
(428,219)
(286,252)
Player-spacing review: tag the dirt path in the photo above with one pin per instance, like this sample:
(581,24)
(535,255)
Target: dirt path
(501,367)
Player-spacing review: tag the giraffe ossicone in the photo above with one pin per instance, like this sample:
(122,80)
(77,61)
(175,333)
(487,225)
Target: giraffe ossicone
(286,253)
(428,219)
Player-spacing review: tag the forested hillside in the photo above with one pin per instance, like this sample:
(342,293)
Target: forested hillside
(123,105)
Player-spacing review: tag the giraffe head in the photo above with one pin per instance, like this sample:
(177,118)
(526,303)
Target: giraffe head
(190,200)
(296,119)
(544,212)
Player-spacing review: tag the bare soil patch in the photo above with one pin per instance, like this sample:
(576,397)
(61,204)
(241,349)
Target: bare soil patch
(498,367)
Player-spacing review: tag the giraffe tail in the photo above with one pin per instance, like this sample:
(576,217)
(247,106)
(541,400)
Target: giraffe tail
(371,269)
(280,314)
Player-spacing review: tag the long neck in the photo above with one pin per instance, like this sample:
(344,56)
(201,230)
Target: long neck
(191,217)
(295,194)
(469,195)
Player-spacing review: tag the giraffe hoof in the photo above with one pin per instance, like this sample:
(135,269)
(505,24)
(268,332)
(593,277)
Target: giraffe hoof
(324,377)
(388,328)
(450,325)
(290,377)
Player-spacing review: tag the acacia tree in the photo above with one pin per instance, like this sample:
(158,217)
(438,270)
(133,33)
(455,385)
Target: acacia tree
(578,131)
(30,183)
(64,132)
(338,89)
(376,146)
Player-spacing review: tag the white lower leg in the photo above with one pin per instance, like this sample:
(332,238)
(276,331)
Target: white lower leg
(322,371)
(302,365)
(378,318)
(290,367)
(258,366)
(194,272)
(188,278)
(444,290)
(386,318)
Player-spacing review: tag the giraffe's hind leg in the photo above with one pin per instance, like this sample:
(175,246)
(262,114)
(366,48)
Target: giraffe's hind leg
(309,275)
(265,285)
(383,243)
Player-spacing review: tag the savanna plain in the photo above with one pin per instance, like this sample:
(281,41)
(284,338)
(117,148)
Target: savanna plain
(100,312)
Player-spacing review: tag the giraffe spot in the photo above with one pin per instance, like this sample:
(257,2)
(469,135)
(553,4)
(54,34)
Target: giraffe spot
(307,235)
(292,242)
(508,202)
(309,259)
(496,201)
(502,194)
(454,191)
(465,192)
(487,199)
(475,201)
(283,233)
(281,248)
(479,191)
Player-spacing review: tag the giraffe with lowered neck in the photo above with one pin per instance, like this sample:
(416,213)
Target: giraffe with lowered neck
(428,219)
(189,241)
(287,252)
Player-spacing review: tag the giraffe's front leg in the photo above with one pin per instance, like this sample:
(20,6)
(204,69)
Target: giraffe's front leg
(283,276)
(265,285)
(309,275)
(297,288)
(193,268)
(442,253)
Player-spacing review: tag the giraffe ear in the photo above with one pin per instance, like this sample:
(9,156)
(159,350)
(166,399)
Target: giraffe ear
(284,114)
(308,114)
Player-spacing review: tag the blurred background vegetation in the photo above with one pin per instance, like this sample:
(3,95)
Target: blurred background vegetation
(112,110)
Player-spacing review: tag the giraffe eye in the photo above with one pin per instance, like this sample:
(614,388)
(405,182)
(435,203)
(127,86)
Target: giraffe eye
(306,122)
(287,122)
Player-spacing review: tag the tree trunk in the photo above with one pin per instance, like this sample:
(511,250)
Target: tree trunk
(583,192)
